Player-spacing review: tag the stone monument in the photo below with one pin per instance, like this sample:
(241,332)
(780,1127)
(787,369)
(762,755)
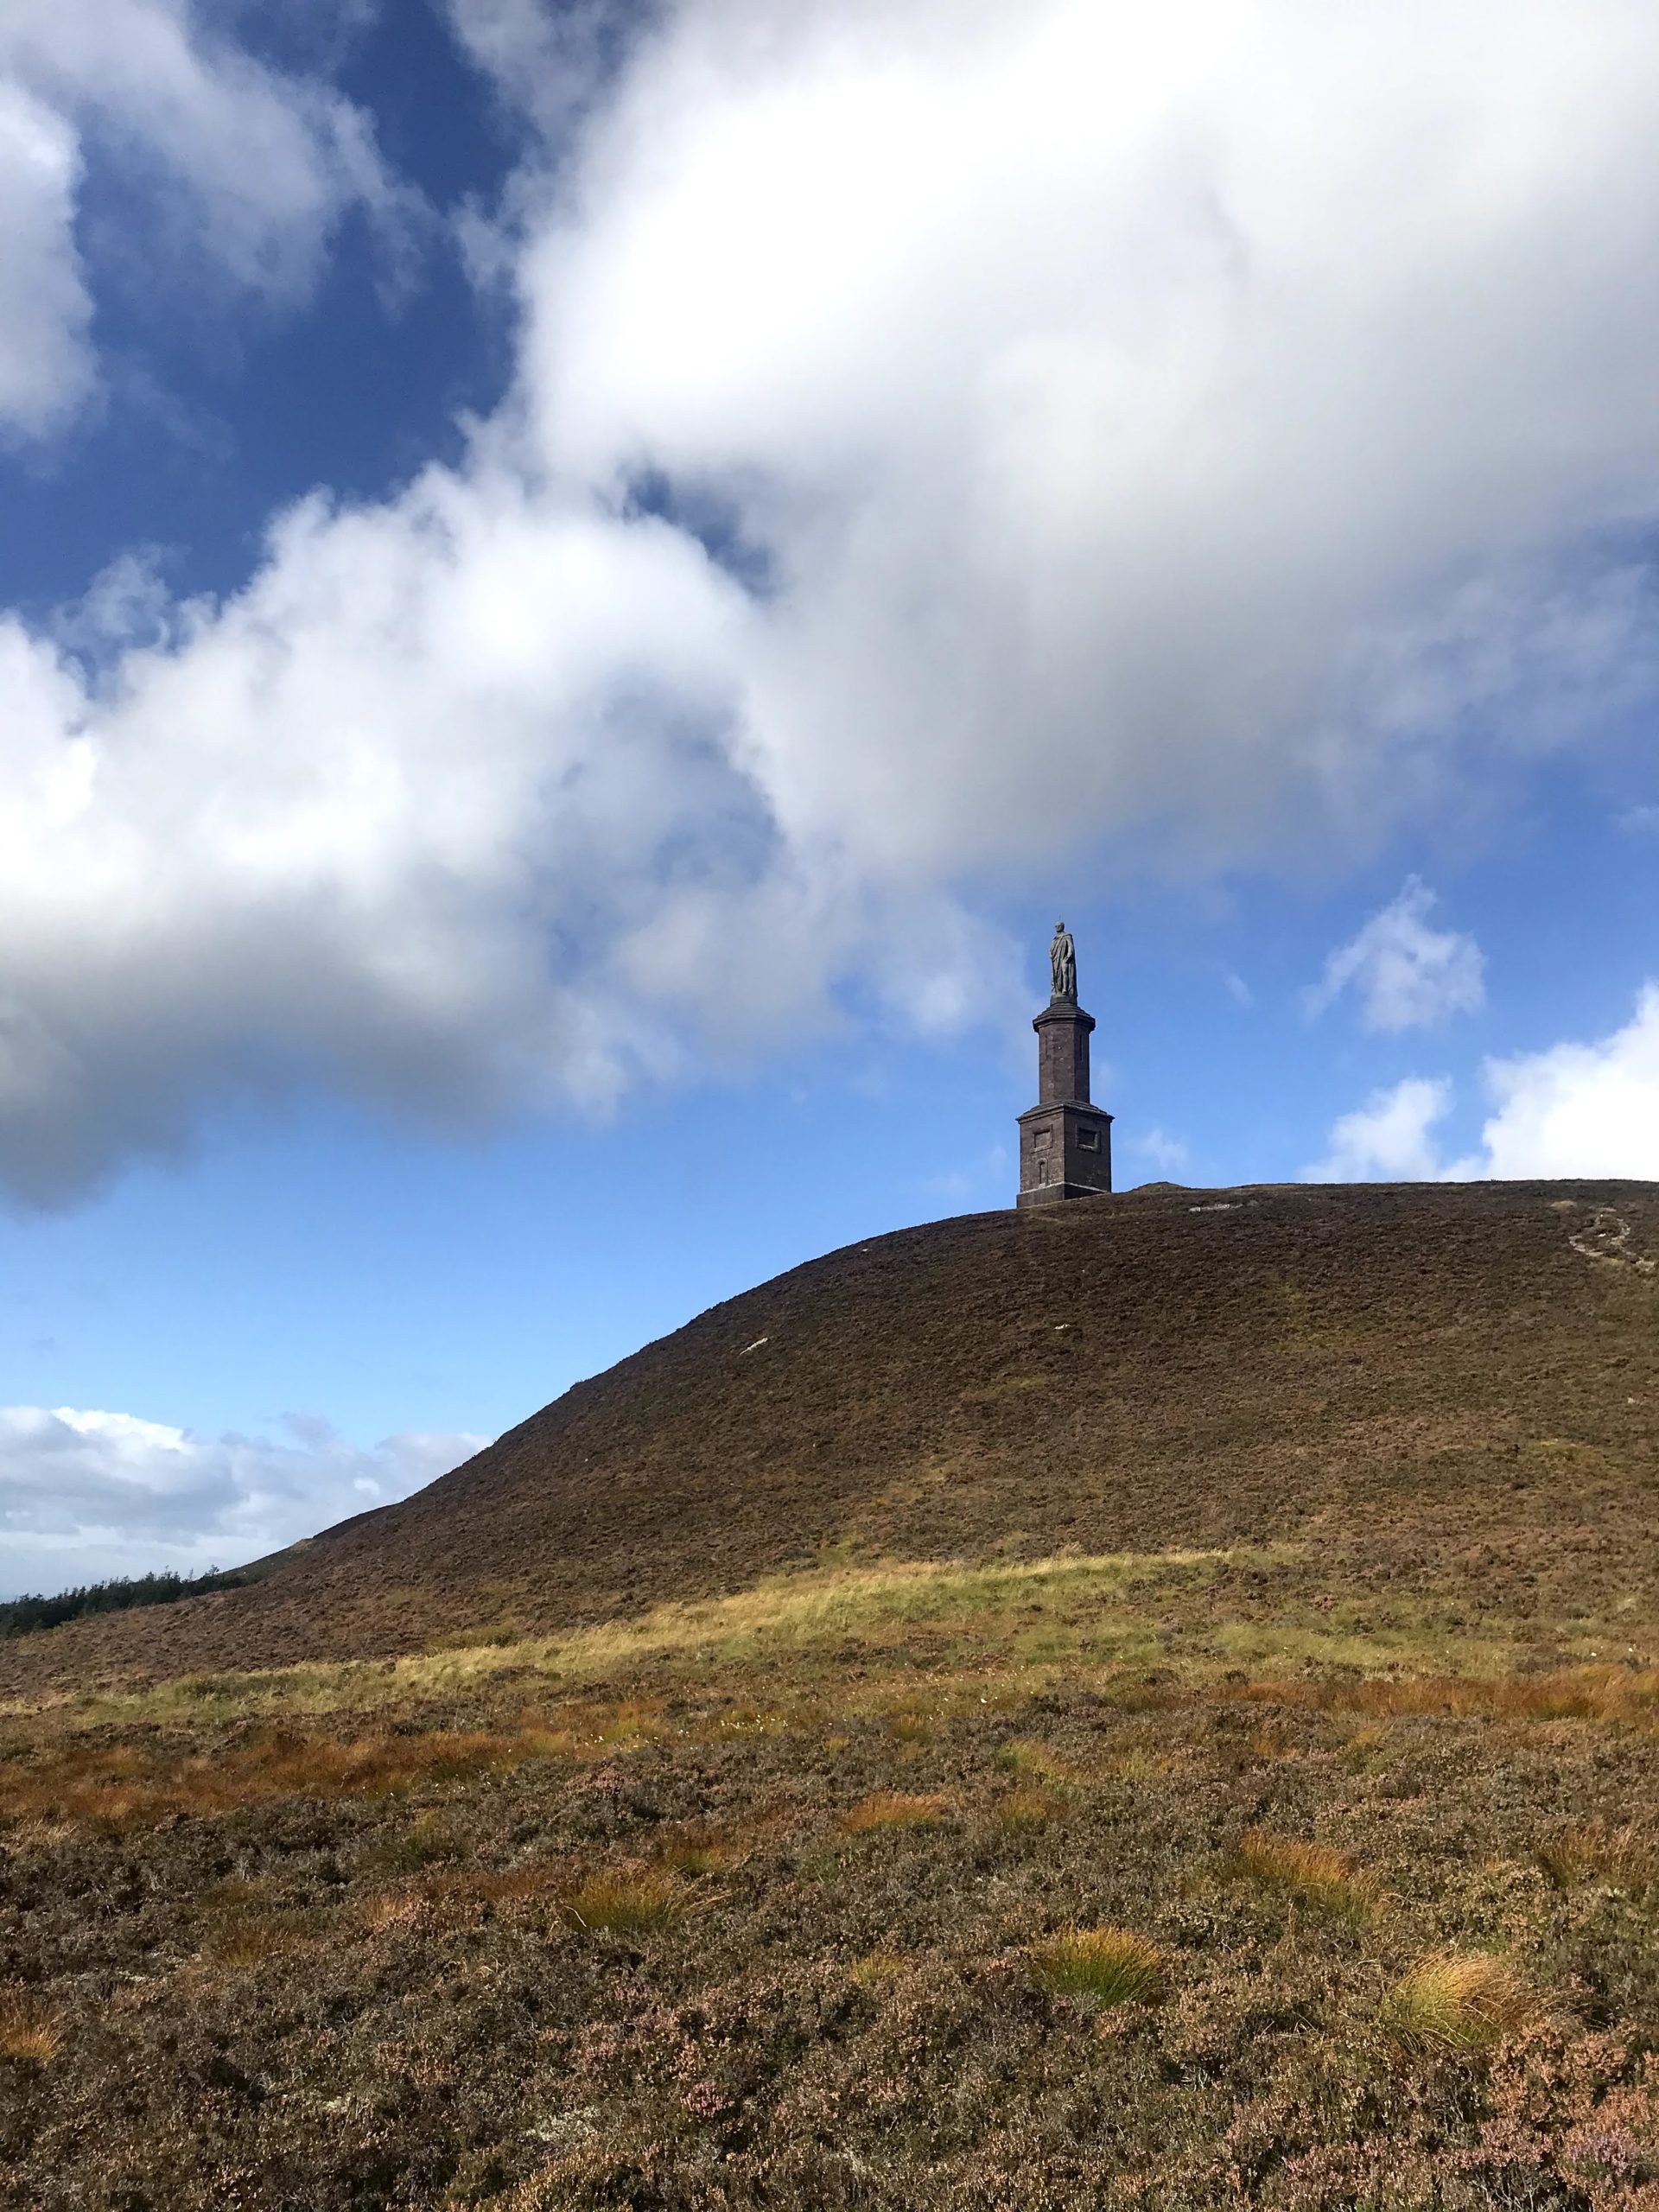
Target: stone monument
(1065,1143)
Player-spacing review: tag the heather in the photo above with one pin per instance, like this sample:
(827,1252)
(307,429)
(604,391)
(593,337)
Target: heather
(985,1889)
(1156,1707)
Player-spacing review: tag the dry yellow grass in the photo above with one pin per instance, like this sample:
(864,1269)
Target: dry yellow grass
(1312,1872)
(891,1809)
(1040,1761)
(697,1849)
(1589,1693)
(1102,1965)
(1622,1859)
(910,1728)
(1023,1809)
(789,1615)
(120,1787)
(391,1908)
(248,1941)
(28,2034)
(626,1904)
(1458,2002)
(877,1968)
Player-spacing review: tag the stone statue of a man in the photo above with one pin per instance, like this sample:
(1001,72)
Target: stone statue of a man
(1062,962)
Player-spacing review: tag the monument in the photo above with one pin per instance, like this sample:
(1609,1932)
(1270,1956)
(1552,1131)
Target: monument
(1065,1143)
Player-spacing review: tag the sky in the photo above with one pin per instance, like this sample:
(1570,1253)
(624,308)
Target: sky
(581,584)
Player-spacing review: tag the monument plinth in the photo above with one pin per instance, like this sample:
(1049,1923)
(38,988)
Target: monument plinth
(1065,1141)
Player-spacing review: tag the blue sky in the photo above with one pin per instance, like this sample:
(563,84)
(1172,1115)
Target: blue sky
(581,586)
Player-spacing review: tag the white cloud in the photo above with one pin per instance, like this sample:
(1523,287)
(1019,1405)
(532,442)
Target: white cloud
(1123,408)
(1389,1138)
(1574,1110)
(550,63)
(45,310)
(84,1494)
(241,171)
(1579,1109)
(946,437)
(1164,1151)
(1408,975)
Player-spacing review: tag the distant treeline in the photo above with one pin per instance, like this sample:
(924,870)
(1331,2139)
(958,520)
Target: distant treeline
(28,1616)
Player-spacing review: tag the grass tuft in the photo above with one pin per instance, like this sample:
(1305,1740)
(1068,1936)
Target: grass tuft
(910,1728)
(1104,1966)
(1622,1859)
(1459,2004)
(491,1636)
(696,1849)
(1038,1761)
(877,1968)
(29,2035)
(891,1809)
(248,1940)
(425,1842)
(1024,1810)
(626,1904)
(1312,1872)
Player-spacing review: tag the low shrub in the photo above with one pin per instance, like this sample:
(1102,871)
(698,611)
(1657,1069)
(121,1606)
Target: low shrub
(1104,1966)
(1460,2002)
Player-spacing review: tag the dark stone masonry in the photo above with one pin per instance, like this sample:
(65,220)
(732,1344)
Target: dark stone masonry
(1065,1143)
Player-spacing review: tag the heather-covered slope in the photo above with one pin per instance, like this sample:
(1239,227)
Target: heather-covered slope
(1267,1818)
(1452,1389)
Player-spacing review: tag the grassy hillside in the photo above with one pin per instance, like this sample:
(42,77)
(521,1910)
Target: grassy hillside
(1425,1380)
(1215,1761)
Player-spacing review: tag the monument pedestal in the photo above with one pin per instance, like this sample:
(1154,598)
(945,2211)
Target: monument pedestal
(1065,1142)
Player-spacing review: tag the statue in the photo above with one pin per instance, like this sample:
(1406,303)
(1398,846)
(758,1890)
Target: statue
(1063,963)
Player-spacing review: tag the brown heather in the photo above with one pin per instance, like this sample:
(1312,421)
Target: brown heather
(875,1723)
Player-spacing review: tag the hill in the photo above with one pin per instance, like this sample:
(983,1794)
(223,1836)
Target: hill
(1442,1386)
(1137,1708)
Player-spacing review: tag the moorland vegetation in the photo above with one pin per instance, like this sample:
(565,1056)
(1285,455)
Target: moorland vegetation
(1305,1856)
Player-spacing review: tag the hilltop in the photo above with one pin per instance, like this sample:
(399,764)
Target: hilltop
(1440,1385)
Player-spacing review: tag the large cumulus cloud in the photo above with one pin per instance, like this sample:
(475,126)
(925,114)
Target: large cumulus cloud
(946,437)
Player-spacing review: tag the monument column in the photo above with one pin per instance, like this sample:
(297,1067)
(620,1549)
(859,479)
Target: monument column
(1065,1141)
